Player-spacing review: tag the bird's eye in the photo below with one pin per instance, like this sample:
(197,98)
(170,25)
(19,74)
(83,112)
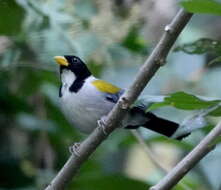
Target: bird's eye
(75,60)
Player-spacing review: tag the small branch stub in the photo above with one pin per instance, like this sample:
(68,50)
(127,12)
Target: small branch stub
(124,103)
(168,29)
(74,149)
(102,125)
(161,61)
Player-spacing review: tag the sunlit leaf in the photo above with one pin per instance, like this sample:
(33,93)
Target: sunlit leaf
(202,6)
(157,105)
(182,100)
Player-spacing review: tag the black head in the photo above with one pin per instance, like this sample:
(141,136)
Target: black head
(74,64)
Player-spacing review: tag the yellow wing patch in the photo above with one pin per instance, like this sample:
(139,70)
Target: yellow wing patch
(106,87)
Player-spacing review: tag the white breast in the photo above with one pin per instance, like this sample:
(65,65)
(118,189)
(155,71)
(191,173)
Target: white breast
(85,107)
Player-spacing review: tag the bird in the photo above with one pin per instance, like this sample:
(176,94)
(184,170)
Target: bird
(85,99)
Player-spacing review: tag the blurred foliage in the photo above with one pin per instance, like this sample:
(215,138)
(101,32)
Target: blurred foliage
(13,15)
(99,182)
(110,37)
(202,46)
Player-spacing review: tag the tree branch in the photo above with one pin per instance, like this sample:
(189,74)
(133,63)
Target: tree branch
(200,151)
(146,72)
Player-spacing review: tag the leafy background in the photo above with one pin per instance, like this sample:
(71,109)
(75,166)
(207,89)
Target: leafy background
(114,38)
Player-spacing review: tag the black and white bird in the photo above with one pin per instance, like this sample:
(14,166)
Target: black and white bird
(85,99)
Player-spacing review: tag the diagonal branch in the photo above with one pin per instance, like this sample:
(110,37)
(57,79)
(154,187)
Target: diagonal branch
(200,151)
(146,72)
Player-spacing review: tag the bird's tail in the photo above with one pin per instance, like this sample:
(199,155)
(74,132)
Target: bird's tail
(160,125)
(163,126)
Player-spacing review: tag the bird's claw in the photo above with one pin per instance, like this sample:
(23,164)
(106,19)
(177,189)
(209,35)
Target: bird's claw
(102,123)
(74,149)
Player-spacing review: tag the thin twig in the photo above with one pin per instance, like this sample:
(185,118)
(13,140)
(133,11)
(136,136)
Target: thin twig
(153,157)
(147,71)
(149,152)
(200,151)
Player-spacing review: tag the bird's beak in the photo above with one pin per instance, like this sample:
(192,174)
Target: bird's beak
(61,60)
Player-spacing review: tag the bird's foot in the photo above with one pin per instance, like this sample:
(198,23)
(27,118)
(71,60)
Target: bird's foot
(74,149)
(102,124)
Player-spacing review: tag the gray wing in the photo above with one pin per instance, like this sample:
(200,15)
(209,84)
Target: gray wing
(114,97)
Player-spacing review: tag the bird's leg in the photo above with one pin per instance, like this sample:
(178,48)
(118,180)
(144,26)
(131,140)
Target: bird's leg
(74,149)
(102,123)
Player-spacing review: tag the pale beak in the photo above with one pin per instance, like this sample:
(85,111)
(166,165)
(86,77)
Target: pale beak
(61,60)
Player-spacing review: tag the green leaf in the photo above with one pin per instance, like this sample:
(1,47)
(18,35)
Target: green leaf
(134,42)
(216,60)
(108,183)
(184,101)
(11,15)
(216,112)
(201,46)
(157,105)
(202,6)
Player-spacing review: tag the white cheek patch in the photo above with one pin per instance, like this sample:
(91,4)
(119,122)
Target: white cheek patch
(65,85)
(64,88)
(67,78)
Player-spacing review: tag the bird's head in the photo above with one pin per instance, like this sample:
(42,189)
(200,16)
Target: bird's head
(72,68)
